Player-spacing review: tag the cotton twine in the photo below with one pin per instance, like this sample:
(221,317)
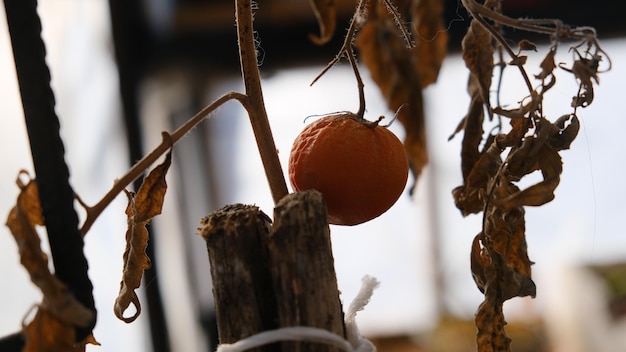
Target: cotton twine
(353,342)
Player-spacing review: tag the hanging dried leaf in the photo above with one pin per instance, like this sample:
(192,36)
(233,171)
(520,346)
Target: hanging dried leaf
(325,13)
(21,221)
(499,258)
(478,56)
(431,39)
(142,207)
(478,53)
(547,65)
(392,67)
(585,69)
(47,333)
(469,197)
(526,45)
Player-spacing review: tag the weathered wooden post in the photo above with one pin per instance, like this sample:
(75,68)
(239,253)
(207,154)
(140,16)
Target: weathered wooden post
(267,276)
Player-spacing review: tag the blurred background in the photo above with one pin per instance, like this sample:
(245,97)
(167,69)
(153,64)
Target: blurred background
(123,71)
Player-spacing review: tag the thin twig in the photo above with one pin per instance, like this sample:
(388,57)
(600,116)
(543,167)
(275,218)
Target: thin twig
(355,24)
(142,165)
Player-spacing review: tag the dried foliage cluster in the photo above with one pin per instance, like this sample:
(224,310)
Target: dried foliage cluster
(493,158)
(402,60)
(53,326)
(494,162)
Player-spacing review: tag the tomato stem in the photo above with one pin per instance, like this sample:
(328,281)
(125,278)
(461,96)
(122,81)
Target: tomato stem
(256,106)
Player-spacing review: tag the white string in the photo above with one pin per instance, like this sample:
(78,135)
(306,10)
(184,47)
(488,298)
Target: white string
(354,343)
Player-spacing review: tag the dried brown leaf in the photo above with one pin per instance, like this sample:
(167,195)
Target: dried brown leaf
(47,333)
(566,134)
(547,65)
(519,60)
(142,207)
(325,12)
(469,197)
(479,262)
(391,65)
(478,56)
(431,39)
(585,70)
(523,161)
(490,323)
(21,221)
(526,45)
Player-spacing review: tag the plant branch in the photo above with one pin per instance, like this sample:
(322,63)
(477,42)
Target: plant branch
(553,27)
(252,101)
(346,48)
(142,165)
(255,104)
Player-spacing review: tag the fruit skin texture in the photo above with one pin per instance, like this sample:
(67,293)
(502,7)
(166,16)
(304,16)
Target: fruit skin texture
(360,168)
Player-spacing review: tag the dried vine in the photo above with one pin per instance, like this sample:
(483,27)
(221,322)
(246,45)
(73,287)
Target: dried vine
(493,163)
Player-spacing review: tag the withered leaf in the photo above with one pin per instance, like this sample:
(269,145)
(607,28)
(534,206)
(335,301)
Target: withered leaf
(548,160)
(479,261)
(490,323)
(21,221)
(585,70)
(526,45)
(391,65)
(142,207)
(325,12)
(519,60)
(547,64)
(469,197)
(566,134)
(478,56)
(47,333)
(431,39)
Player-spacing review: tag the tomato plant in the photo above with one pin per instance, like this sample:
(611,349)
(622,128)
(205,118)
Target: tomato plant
(360,167)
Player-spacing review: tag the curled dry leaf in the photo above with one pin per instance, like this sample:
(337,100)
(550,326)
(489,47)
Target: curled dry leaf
(585,69)
(22,219)
(325,12)
(142,207)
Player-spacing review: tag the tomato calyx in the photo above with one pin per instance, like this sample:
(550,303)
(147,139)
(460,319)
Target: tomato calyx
(361,119)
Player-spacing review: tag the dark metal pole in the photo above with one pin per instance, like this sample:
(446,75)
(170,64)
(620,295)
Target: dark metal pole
(52,174)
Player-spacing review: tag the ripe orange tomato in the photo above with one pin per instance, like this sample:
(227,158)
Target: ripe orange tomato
(360,168)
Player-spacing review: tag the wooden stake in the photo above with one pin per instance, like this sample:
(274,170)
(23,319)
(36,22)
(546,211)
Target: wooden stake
(302,268)
(265,278)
